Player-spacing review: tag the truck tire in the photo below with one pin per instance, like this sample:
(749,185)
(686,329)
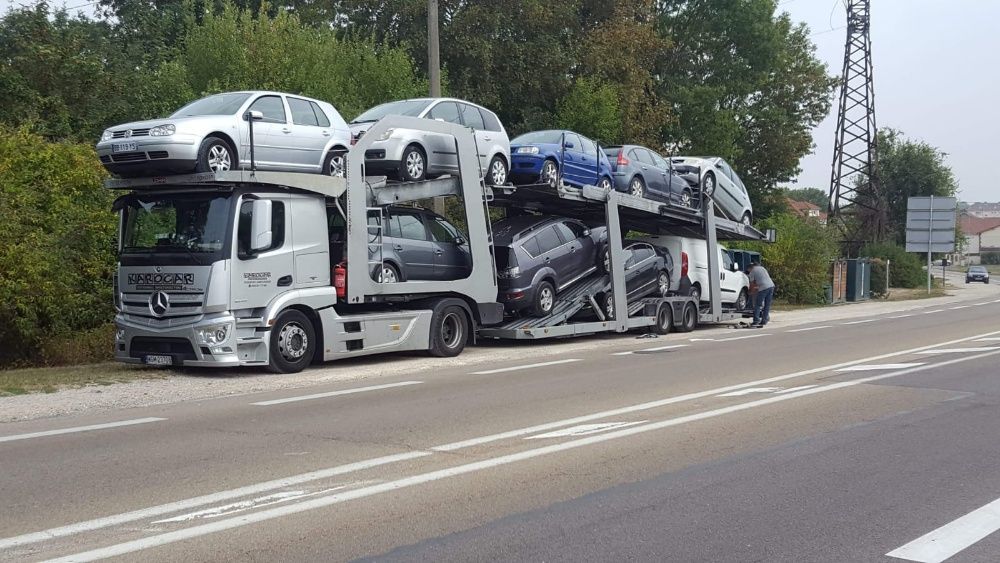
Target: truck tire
(664,319)
(293,342)
(689,319)
(449,331)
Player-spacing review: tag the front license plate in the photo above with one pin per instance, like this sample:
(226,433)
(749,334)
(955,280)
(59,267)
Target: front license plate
(159,360)
(124,147)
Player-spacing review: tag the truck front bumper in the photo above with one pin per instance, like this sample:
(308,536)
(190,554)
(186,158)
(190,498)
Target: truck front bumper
(188,345)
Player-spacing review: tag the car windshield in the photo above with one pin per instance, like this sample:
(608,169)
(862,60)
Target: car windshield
(219,104)
(543,137)
(977,270)
(193,225)
(412,108)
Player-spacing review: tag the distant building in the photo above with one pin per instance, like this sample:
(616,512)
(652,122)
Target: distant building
(982,234)
(982,209)
(806,209)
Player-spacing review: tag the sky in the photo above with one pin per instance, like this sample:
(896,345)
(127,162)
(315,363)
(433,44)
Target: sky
(937,79)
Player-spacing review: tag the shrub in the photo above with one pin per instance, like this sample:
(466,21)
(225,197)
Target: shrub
(57,258)
(905,269)
(990,258)
(799,260)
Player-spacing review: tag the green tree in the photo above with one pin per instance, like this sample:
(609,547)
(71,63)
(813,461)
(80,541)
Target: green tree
(799,261)
(910,168)
(591,108)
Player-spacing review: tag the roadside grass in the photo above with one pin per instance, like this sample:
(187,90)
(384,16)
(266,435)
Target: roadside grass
(907,294)
(50,380)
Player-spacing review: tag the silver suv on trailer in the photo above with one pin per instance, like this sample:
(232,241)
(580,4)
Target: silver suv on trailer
(414,154)
(295,134)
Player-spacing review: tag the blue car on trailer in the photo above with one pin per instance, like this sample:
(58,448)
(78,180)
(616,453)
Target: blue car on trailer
(542,157)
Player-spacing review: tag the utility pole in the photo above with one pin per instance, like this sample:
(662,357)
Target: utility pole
(434,69)
(857,200)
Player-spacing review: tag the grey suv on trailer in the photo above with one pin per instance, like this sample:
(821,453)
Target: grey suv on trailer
(537,257)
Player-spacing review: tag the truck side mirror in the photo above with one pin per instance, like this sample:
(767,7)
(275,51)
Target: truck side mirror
(260,225)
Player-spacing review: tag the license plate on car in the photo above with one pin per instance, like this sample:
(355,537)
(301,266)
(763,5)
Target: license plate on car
(124,147)
(159,360)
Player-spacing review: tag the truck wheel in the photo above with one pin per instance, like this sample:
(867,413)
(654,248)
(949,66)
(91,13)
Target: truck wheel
(545,300)
(689,319)
(664,319)
(695,292)
(293,342)
(742,302)
(449,332)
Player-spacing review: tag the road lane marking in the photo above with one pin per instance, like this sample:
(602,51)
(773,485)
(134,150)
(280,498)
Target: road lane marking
(203,500)
(682,398)
(171,507)
(75,429)
(584,429)
(938,545)
(902,316)
(810,328)
(930,312)
(860,322)
(242,506)
(959,307)
(742,392)
(990,339)
(528,366)
(872,367)
(656,349)
(959,350)
(794,389)
(730,339)
(334,393)
(437,475)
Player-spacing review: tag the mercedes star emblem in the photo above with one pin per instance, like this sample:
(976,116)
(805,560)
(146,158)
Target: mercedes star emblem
(158,303)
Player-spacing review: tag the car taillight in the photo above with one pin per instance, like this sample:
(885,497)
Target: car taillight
(684,264)
(340,280)
(622,161)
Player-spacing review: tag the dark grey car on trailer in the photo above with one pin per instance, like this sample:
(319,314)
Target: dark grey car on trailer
(644,173)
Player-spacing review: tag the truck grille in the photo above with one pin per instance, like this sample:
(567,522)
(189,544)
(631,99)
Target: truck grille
(184,307)
(135,133)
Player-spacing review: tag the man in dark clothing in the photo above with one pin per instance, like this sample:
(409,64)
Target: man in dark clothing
(760,280)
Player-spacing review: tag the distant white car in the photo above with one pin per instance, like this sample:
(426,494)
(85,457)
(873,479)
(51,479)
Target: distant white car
(713,175)
(296,134)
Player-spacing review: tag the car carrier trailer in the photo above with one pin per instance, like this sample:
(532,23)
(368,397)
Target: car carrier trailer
(240,268)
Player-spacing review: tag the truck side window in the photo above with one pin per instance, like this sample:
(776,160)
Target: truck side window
(246,220)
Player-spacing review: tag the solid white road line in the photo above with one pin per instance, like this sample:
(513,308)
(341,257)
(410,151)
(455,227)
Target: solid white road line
(990,339)
(657,349)
(335,393)
(860,322)
(742,392)
(396,485)
(88,428)
(585,429)
(931,312)
(810,328)
(730,339)
(362,465)
(953,537)
(794,389)
(959,350)
(682,398)
(528,366)
(203,500)
(873,367)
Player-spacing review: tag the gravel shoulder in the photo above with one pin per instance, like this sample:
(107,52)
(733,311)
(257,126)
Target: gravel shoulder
(147,387)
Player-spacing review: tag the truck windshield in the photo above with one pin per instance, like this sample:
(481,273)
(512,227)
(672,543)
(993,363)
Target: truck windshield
(192,228)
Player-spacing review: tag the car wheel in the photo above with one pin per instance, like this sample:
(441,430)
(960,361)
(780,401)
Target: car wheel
(664,319)
(686,198)
(550,174)
(663,283)
(742,300)
(609,305)
(449,332)
(604,183)
(708,184)
(293,340)
(747,219)
(335,164)
(696,293)
(545,300)
(496,174)
(215,155)
(388,274)
(604,262)
(689,320)
(637,187)
(413,166)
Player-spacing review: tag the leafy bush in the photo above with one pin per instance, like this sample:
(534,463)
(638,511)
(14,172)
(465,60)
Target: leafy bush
(990,258)
(57,259)
(905,269)
(799,260)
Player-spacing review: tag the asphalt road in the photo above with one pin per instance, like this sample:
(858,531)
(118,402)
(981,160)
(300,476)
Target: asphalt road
(841,440)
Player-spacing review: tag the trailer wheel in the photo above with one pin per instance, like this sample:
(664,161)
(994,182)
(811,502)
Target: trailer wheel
(293,340)
(664,319)
(689,319)
(449,332)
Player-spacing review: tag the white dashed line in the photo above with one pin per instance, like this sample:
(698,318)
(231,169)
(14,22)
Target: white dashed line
(729,339)
(958,350)
(902,316)
(657,349)
(794,389)
(335,393)
(860,322)
(79,429)
(528,366)
(809,328)
(873,367)
(952,538)
(959,307)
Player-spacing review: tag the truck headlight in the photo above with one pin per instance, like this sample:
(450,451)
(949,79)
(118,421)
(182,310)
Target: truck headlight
(386,134)
(527,150)
(107,135)
(119,334)
(213,334)
(162,130)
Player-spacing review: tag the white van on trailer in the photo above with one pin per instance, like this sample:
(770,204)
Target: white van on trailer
(239,268)
(734,285)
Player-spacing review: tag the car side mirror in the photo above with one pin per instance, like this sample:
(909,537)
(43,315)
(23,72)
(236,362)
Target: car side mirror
(586,232)
(459,241)
(568,145)
(260,225)
(253,115)
(734,267)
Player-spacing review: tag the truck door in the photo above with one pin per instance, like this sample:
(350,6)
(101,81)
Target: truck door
(259,277)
